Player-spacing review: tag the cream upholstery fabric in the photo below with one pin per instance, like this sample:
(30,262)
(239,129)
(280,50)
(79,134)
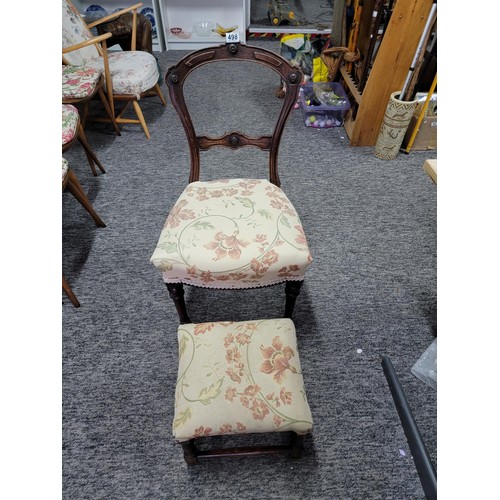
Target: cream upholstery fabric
(70,119)
(236,233)
(79,82)
(239,377)
(131,72)
(74,30)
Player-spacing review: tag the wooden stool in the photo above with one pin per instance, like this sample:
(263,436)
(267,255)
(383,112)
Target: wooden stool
(239,378)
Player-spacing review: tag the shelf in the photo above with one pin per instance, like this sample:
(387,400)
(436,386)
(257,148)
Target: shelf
(184,13)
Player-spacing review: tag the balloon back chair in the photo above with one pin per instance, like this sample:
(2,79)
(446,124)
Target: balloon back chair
(128,75)
(234,233)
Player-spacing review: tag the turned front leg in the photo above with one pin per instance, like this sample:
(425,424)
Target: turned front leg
(176,292)
(292,290)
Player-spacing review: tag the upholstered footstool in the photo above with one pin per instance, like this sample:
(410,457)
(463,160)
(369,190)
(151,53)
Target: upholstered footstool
(239,378)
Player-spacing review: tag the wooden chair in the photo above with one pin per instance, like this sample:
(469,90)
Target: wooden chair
(128,75)
(71,183)
(72,130)
(232,233)
(238,378)
(81,85)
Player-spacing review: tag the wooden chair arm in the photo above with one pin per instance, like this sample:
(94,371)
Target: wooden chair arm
(86,43)
(114,15)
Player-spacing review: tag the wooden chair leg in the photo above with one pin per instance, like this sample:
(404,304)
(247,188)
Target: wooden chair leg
(139,114)
(109,111)
(189,449)
(292,290)
(297,445)
(176,292)
(69,292)
(75,188)
(91,157)
(160,94)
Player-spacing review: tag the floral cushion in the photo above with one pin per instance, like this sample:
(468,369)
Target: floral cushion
(239,377)
(233,233)
(70,119)
(74,30)
(65,168)
(131,72)
(79,81)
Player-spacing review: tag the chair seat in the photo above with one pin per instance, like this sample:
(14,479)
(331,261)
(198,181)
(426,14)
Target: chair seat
(132,72)
(79,82)
(70,119)
(65,168)
(239,377)
(215,237)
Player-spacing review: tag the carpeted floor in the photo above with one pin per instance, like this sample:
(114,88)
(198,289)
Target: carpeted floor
(371,291)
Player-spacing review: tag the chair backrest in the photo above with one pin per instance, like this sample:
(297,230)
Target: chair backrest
(290,76)
(74,30)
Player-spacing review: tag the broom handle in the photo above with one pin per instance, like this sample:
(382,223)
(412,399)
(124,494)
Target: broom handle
(425,36)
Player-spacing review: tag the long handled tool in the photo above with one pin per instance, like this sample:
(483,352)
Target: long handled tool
(379,9)
(353,34)
(421,116)
(405,93)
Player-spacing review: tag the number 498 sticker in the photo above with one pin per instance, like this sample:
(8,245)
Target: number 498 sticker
(233,37)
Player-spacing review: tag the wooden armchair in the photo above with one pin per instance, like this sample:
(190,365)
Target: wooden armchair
(128,75)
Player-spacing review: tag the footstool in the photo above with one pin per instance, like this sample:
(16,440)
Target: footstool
(239,378)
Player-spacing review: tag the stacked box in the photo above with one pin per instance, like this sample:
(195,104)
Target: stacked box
(324,104)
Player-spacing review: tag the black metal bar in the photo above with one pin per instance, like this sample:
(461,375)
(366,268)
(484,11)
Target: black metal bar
(423,464)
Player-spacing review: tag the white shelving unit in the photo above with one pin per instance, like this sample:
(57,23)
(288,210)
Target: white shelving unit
(184,13)
(150,9)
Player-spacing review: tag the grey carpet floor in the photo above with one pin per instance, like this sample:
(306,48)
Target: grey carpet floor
(371,226)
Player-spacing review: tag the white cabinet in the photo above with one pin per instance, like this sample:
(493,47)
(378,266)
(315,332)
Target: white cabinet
(183,14)
(150,9)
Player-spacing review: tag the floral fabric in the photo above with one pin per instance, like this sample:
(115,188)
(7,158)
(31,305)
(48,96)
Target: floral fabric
(65,168)
(70,119)
(239,377)
(132,72)
(74,30)
(78,82)
(233,233)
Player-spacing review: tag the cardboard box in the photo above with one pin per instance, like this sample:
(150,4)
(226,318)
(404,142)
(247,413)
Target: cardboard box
(427,134)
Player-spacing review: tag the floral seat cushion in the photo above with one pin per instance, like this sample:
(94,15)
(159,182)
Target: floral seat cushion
(132,72)
(236,233)
(65,168)
(239,377)
(70,119)
(79,82)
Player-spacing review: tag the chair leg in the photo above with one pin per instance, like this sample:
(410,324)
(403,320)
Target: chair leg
(69,292)
(138,112)
(109,111)
(297,445)
(189,449)
(292,290)
(91,157)
(176,292)
(75,188)
(160,94)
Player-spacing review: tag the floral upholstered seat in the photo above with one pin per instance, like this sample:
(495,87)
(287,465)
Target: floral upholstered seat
(70,119)
(236,233)
(65,168)
(239,377)
(79,82)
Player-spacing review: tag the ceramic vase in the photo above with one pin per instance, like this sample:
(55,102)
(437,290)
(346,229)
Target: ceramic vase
(396,120)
